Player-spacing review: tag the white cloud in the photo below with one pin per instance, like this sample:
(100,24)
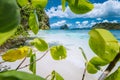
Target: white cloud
(99,19)
(93,23)
(60,23)
(77,22)
(105,20)
(114,21)
(109,8)
(85,22)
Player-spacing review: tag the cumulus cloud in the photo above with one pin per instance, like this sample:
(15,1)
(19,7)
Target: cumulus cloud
(60,23)
(77,22)
(114,21)
(99,19)
(109,8)
(105,20)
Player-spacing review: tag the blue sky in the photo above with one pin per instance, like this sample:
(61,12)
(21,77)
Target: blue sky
(104,11)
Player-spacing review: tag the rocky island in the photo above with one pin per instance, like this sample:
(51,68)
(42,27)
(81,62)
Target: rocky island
(107,25)
(64,27)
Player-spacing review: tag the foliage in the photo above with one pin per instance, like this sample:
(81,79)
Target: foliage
(15,54)
(32,67)
(9,22)
(115,75)
(18,75)
(33,22)
(107,49)
(56,76)
(78,6)
(40,44)
(9,19)
(58,52)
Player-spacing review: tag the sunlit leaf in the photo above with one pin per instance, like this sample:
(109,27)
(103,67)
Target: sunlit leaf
(19,75)
(32,67)
(97,61)
(22,2)
(58,52)
(15,54)
(80,6)
(39,3)
(9,19)
(40,44)
(63,5)
(33,22)
(56,76)
(91,68)
(104,44)
(115,75)
(30,53)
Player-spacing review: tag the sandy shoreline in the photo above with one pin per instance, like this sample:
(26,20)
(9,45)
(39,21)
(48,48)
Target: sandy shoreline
(71,68)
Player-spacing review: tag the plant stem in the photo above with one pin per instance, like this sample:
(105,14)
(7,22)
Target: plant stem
(34,61)
(110,67)
(83,77)
(21,63)
(47,76)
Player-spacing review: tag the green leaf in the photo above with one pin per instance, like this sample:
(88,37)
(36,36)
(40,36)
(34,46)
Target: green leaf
(39,3)
(63,5)
(32,66)
(80,6)
(56,76)
(15,54)
(40,44)
(97,61)
(22,2)
(30,53)
(91,68)
(18,75)
(9,19)
(103,43)
(115,75)
(33,22)
(58,52)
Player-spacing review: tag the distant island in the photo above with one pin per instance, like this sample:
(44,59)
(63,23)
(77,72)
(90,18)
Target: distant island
(64,27)
(107,25)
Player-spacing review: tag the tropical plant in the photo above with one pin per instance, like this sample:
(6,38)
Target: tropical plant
(107,50)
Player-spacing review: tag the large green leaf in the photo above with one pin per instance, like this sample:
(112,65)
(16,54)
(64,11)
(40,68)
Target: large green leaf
(32,66)
(9,19)
(104,44)
(33,22)
(63,5)
(91,68)
(15,54)
(115,75)
(22,2)
(80,6)
(97,61)
(39,3)
(40,44)
(56,76)
(58,52)
(18,75)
